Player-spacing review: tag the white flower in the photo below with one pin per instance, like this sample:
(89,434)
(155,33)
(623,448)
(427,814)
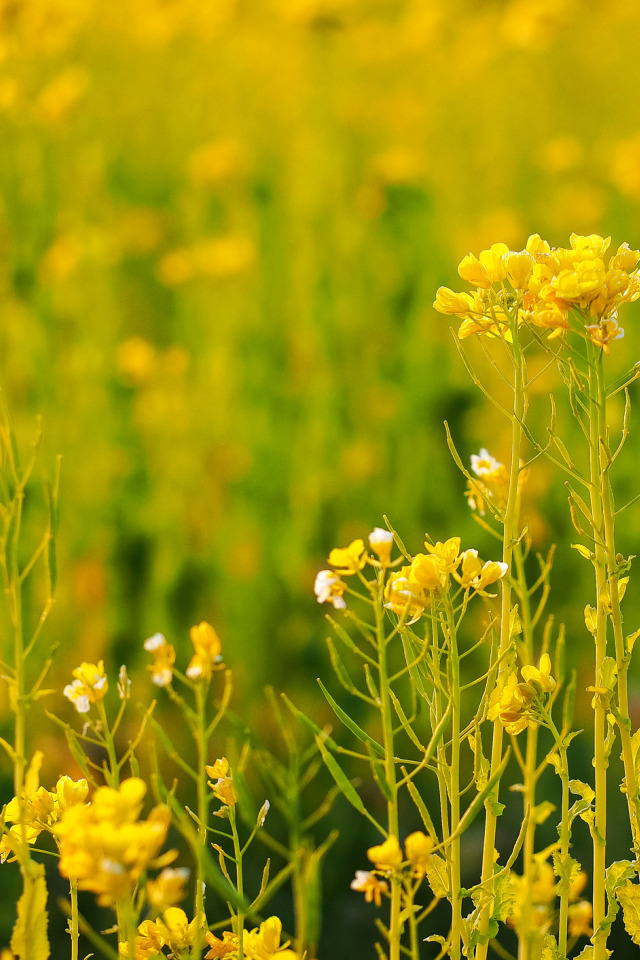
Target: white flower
(328,588)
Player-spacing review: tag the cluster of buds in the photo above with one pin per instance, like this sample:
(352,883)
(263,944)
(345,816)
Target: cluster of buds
(103,845)
(38,809)
(541,285)
(207,655)
(388,859)
(519,705)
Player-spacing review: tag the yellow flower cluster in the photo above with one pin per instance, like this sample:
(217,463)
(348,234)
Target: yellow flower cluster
(40,808)
(541,285)
(329,586)
(105,847)
(207,652)
(412,589)
(223,788)
(536,902)
(261,943)
(89,686)
(164,657)
(517,705)
(388,858)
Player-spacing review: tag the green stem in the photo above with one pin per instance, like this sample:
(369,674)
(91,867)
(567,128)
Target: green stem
(454,788)
(239,880)
(527,932)
(389,763)
(203,810)
(510,536)
(596,427)
(74,929)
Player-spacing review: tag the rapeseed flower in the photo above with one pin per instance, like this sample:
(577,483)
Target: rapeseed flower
(164,657)
(207,652)
(387,856)
(349,560)
(381,542)
(329,588)
(167,889)
(368,883)
(103,845)
(89,686)
(417,848)
(223,788)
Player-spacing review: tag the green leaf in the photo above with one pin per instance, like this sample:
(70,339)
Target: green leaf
(422,809)
(582,790)
(542,811)
(347,788)
(629,899)
(29,940)
(316,730)
(550,949)
(504,896)
(438,875)
(565,868)
(356,730)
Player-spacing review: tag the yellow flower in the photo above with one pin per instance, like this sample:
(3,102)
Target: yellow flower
(263,943)
(167,889)
(164,657)
(225,948)
(70,792)
(580,917)
(451,303)
(369,884)
(417,848)
(348,560)
(604,333)
(381,542)
(447,553)
(387,856)
(176,931)
(510,703)
(427,573)
(540,677)
(89,686)
(207,652)
(223,788)
(104,846)
(328,587)
(519,267)
(405,596)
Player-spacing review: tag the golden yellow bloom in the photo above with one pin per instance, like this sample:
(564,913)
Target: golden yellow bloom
(519,268)
(381,542)
(510,703)
(348,560)
(164,657)
(89,686)
(580,917)
(167,889)
(447,553)
(540,677)
(405,596)
(223,788)
(208,652)
(428,573)
(104,846)
(417,848)
(176,931)
(263,943)
(369,884)
(604,333)
(225,948)
(455,304)
(387,856)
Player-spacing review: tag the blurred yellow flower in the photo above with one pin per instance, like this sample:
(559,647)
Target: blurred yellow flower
(208,652)
(167,889)
(417,848)
(89,686)
(164,657)
(328,587)
(386,856)
(369,884)
(348,560)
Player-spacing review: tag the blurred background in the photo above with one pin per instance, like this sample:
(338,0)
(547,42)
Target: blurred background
(222,226)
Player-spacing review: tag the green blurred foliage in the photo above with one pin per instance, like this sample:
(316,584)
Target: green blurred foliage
(222,226)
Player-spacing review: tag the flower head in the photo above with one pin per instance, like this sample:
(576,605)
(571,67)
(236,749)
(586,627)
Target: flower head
(89,686)
(164,657)
(348,560)
(207,652)
(330,588)
(417,848)
(369,884)
(381,542)
(387,856)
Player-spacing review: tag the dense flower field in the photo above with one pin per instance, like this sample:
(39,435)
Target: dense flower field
(224,226)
